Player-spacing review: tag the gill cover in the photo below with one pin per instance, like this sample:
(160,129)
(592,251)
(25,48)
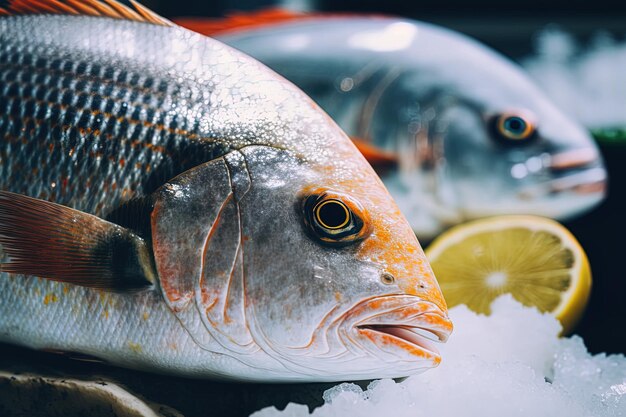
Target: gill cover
(198,249)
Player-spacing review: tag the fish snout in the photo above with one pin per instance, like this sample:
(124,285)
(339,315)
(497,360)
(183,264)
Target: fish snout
(402,325)
(579,170)
(576,176)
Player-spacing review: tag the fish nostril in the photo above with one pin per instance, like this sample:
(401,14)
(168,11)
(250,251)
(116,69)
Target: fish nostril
(387,278)
(576,158)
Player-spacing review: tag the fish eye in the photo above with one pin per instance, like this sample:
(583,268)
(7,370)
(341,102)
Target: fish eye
(514,128)
(332,214)
(334,218)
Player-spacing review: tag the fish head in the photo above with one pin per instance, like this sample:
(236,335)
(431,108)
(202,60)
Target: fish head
(517,154)
(349,285)
(485,141)
(299,265)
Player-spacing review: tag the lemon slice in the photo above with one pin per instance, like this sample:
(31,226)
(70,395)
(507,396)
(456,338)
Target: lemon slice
(535,259)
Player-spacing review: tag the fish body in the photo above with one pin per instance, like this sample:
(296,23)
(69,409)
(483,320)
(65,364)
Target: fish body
(457,130)
(170,204)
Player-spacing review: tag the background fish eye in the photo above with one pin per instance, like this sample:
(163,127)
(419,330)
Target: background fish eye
(513,128)
(335,219)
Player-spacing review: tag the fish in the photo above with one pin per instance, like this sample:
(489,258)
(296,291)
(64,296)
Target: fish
(169,204)
(456,130)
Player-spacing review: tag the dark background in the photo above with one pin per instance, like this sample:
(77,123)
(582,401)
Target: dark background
(602,233)
(507,26)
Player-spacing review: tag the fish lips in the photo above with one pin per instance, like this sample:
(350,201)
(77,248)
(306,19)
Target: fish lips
(400,327)
(577,171)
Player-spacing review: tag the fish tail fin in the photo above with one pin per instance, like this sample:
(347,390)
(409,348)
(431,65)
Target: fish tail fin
(59,243)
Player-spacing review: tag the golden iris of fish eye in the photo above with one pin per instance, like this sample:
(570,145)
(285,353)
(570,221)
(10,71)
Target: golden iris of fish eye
(525,134)
(324,224)
(334,218)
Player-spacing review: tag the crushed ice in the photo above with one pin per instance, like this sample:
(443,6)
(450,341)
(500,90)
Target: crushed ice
(511,363)
(587,81)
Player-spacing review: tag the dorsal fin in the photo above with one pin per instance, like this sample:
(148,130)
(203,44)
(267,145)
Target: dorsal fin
(237,21)
(117,9)
(241,20)
(379,159)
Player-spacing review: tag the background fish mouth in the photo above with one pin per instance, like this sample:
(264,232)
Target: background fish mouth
(590,181)
(577,171)
(400,324)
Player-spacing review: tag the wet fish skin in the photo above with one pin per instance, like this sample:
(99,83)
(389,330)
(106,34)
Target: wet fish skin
(87,104)
(427,96)
(226,152)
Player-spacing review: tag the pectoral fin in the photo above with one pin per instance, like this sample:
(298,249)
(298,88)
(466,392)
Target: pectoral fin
(59,243)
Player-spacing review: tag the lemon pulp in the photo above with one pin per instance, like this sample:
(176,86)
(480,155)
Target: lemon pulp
(533,258)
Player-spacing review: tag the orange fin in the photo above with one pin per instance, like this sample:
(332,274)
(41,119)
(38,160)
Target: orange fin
(378,158)
(237,21)
(241,21)
(55,242)
(117,9)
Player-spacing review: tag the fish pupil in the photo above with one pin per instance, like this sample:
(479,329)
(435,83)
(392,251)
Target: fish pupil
(333,214)
(515,124)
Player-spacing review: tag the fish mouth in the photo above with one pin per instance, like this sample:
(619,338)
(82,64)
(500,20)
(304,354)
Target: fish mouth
(589,181)
(403,326)
(586,182)
(574,158)
(578,172)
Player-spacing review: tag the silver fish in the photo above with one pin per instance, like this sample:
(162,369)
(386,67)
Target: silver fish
(170,204)
(455,130)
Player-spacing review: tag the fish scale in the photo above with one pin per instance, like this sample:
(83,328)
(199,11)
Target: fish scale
(105,126)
